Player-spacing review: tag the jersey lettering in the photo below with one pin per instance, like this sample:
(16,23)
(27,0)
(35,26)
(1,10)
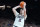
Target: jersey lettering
(19,20)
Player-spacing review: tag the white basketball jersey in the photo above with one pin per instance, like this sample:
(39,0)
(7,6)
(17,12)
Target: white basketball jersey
(19,20)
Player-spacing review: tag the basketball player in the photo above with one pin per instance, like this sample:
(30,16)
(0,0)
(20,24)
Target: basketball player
(20,17)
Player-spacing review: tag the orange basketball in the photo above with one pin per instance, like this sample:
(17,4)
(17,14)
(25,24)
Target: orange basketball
(21,4)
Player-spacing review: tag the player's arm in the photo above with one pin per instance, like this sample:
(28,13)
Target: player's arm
(14,10)
(25,15)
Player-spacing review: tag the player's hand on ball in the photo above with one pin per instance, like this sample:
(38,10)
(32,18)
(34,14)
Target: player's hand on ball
(24,4)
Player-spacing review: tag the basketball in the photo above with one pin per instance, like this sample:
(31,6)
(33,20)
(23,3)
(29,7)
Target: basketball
(21,4)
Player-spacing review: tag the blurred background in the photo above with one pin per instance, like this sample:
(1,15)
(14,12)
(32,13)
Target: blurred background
(7,16)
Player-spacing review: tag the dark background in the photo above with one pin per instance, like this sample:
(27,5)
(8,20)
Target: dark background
(33,10)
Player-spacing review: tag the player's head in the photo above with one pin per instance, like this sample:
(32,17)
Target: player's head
(21,11)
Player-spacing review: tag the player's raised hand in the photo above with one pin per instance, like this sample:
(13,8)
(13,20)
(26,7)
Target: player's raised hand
(24,4)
